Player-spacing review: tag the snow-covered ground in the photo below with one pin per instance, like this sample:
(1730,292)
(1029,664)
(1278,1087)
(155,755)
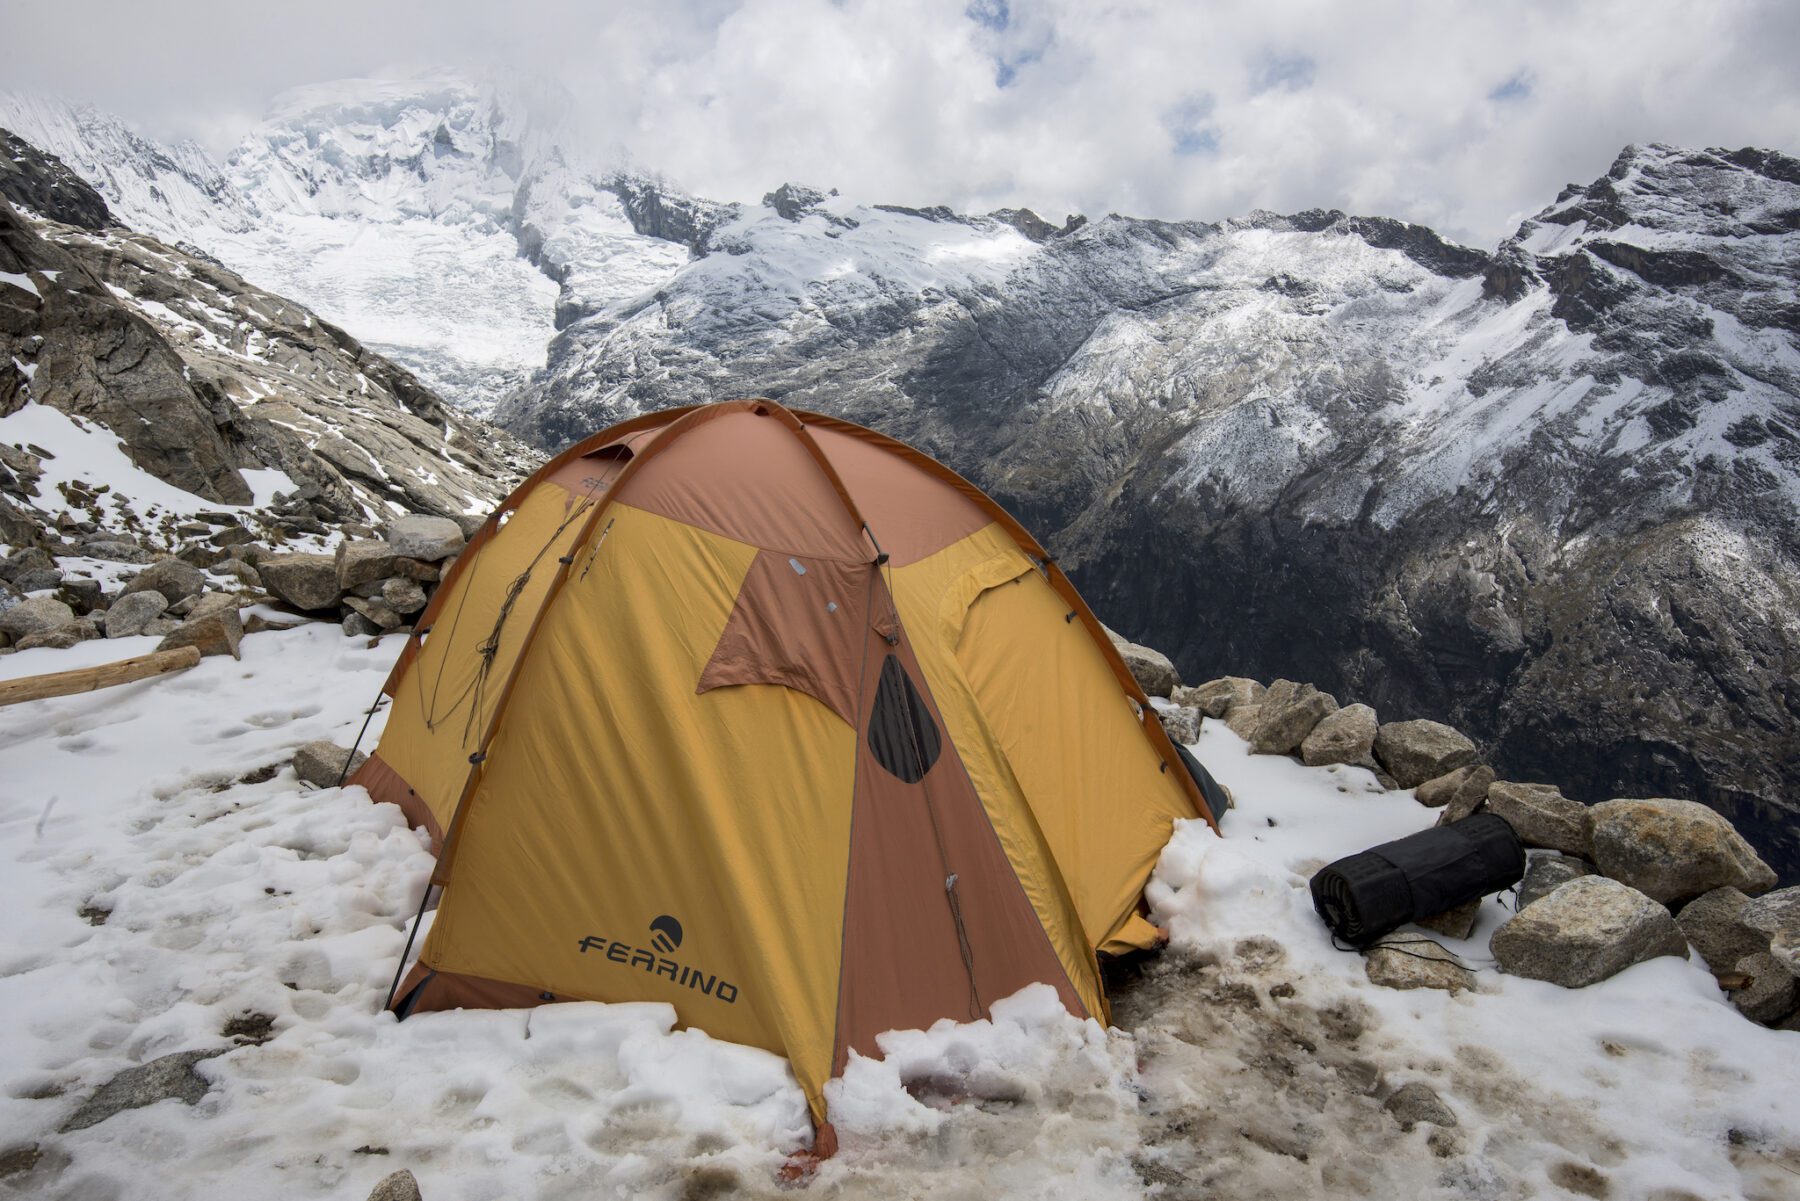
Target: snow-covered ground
(165,874)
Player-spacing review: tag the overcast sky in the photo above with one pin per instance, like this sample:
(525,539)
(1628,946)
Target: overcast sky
(1466,115)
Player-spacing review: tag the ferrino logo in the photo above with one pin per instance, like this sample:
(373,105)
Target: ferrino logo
(665,937)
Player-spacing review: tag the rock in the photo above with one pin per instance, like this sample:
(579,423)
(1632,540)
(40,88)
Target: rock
(38,579)
(378,613)
(1777,915)
(9,596)
(1671,849)
(321,764)
(1541,816)
(1243,720)
(1217,698)
(1770,992)
(118,552)
(1419,963)
(1460,791)
(1416,751)
(399,1186)
(305,581)
(231,535)
(256,624)
(1544,874)
(23,563)
(1454,923)
(59,639)
(1585,931)
(132,614)
(82,595)
(1346,736)
(406,597)
(215,629)
(370,563)
(146,1084)
(35,615)
(1416,1102)
(1182,724)
(1290,710)
(1714,924)
(175,580)
(357,626)
(1151,669)
(430,539)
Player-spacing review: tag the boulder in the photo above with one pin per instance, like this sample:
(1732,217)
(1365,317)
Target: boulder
(1346,736)
(1244,719)
(1585,931)
(1416,751)
(1769,993)
(22,563)
(40,579)
(1714,925)
(1541,816)
(175,580)
(118,552)
(1182,724)
(231,535)
(1454,923)
(82,595)
(1217,698)
(215,628)
(1466,788)
(321,764)
(172,1076)
(1776,916)
(1419,963)
(405,596)
(9,596)
(1151,669)
(1544,874)
(61,638)
(397,1186)
(378,613)
(357,626)
(1671,849)
(305,581)
(1413,1103)
(368,564)
(428,539)
(1286,723)
(35,615)
(201,555)
(132,614)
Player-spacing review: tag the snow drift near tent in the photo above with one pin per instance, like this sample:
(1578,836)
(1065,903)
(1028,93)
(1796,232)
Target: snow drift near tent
(772,718)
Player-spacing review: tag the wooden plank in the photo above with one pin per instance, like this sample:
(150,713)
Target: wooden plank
(87,679)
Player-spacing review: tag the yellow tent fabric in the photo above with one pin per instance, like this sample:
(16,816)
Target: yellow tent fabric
(774,719)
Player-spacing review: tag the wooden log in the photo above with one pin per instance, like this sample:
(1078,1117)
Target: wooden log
(87,679)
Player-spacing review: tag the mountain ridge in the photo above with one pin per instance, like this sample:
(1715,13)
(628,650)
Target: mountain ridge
(1547,491)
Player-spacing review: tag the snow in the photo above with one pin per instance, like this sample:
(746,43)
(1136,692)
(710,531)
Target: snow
(229,890)
(1646,1074)
(22,282)
(92,455)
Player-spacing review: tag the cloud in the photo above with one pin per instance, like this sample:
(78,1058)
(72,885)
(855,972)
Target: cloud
(1464,117)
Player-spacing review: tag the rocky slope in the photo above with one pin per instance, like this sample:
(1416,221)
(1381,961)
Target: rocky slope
(202,378)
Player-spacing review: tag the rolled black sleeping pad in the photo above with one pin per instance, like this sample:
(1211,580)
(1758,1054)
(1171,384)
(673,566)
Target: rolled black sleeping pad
(1369,894)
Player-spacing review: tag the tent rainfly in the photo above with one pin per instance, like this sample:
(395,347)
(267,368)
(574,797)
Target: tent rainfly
(777,720)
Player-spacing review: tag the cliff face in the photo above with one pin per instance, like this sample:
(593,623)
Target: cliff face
(202,376)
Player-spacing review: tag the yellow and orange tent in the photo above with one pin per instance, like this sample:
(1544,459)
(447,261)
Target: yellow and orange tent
(778,720)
